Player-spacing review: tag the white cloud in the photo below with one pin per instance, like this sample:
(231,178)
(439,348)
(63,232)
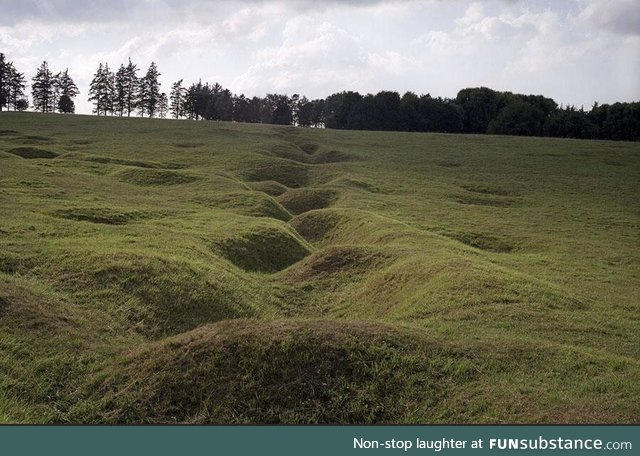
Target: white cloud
(391,62)
(312,55)
(238,22)
(558,53)
(621,17)
(576,51)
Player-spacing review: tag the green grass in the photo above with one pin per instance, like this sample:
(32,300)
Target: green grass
(172,271)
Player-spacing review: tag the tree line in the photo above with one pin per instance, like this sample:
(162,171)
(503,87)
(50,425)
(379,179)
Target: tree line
(477,110)
(125,92)
(50,91)
(481,110)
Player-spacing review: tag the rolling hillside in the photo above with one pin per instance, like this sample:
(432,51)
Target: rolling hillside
(174,271)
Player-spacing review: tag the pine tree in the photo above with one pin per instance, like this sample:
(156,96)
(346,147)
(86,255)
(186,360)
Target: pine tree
(16,88)
(42,89)
(4,81)
(94,90)
(101,90)
(120,91)
(131,87)
(163,105)
(109,88)
(197,99)
(177,99)
(12,84)
(55,92)
(68,91)
(66,84)
(149,94)
(189,103)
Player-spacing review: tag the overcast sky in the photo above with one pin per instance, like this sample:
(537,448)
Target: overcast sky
(575,51)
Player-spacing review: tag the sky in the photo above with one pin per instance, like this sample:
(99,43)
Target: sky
(575,51)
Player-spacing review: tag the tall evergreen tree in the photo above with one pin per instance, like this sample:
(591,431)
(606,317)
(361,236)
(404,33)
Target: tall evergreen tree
(177,99)
(42,89)
(66,84)
(17,84)
(120,91)
(196,100)
(95,88)
(149,94)
(131,88)
(4,81)
(12,84)
(189,105)
(163,105)
(101,90)
(110,82)
(56,91)
(68,91)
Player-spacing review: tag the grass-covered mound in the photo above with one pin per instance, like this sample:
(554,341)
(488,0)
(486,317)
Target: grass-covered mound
(31,139)
(245,371)
(340,372)
(269,187)
(484,241)
(285,172)
(154,177)
(106,215)
(299,200)
(115,161)
(338,260)
(256,204)
(316,225)
(153,295)
(333,156)
(265,247)
(162,271)
(310,153)
(32,152)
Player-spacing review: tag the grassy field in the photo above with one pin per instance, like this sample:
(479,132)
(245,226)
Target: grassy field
(173,271)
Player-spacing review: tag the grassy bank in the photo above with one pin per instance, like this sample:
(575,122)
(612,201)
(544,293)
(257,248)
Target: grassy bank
(175,271)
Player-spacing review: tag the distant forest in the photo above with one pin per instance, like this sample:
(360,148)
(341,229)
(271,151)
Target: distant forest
(127,92)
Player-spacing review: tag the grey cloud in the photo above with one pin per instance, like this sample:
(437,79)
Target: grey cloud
(621,17)
(14,12)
